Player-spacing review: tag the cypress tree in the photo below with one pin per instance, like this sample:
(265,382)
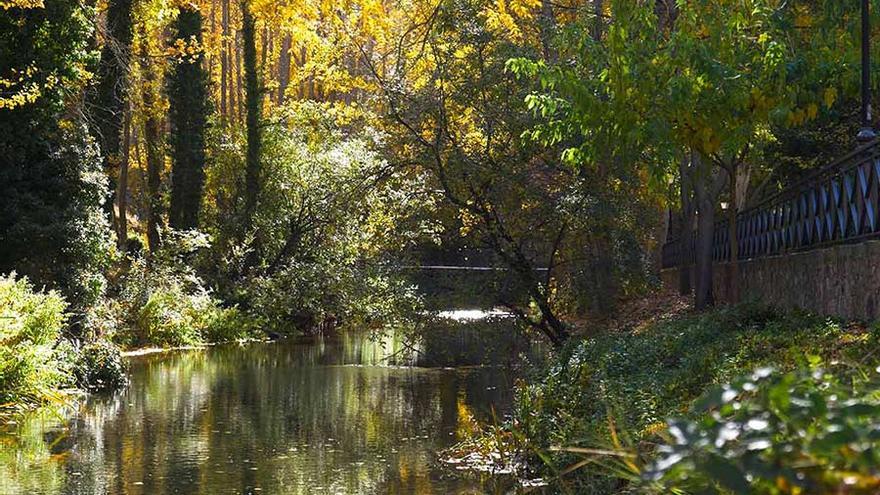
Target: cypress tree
(188,100)
(252,88)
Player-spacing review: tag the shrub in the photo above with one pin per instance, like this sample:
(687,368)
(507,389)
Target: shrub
(228,324)
(770,432)
(165,303)
(172,317)
(99,366)
(30,323)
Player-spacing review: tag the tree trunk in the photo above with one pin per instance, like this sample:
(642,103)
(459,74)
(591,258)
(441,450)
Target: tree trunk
(547,27)
(213,30)
(603,288)
(686,227)
(122,185)
(155,164)
(707,183)
(732,210)
(108,109)
(252,167)
(283,68)
(153,144)
(155,159)
(704,296)
(598,22)
(303,83)
(238,107)
(224,59)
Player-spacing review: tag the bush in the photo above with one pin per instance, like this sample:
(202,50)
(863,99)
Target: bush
(770,432)
(330,218)
(172,317)
(30,324)
(99,366)
(228,325)
(641,378)
(166,304)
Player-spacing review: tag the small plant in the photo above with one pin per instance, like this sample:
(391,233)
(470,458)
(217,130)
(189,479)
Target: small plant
(644,377)
(771,432)
(30,324)
(165,303)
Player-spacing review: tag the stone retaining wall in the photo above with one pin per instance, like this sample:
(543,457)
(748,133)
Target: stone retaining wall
(841,280)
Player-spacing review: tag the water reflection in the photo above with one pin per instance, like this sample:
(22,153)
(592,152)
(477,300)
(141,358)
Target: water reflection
(322,417)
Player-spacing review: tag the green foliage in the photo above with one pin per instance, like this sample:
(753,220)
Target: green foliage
(188,115)
(52,228)
(641,378)
(331,211)
(165,303)
(99,366)
(465,122)
(30,324)
(771,433)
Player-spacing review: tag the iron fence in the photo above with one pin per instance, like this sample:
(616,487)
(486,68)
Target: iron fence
(839,203)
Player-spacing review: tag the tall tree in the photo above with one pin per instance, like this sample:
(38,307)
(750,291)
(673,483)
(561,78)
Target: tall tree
(188,115)
(155,155)
(109,105)
(51,183)
(283,68)
(252,90)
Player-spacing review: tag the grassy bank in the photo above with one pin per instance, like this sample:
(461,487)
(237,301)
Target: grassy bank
(616,390)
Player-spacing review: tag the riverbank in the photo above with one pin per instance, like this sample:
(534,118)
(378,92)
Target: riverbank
(615,390)
(48,350)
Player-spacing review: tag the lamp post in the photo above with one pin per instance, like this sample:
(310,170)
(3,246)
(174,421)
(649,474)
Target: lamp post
(866,133)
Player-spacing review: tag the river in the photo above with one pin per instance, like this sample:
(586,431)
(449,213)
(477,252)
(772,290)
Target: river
(325,416)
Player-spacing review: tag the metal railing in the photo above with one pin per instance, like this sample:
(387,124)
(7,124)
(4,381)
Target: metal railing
(839,203)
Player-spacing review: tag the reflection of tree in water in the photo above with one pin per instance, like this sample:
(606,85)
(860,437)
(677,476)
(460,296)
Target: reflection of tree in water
(284,418)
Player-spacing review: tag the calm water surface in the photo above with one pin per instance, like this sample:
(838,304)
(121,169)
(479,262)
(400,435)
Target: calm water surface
(330,416)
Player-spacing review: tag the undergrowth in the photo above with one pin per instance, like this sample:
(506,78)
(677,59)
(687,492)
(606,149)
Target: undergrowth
(620,387)
(31,321)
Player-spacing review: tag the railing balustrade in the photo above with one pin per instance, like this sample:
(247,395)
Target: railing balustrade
(839,203)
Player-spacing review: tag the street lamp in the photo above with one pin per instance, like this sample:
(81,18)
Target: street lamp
(866,133)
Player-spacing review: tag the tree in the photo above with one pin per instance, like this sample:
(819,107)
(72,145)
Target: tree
(665,82)
(252,122)
(730,78)
(153,115)
(51,183)
(188,99)
(460,114)
(109,106)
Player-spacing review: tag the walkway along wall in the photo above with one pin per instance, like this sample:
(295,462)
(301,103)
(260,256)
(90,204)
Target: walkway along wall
(842,280)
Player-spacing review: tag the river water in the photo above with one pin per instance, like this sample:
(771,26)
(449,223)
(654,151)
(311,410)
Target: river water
(324,416)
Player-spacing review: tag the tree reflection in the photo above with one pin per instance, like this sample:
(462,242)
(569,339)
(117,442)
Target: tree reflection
(320,417)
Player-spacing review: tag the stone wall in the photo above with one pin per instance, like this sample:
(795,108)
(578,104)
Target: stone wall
(841,280)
